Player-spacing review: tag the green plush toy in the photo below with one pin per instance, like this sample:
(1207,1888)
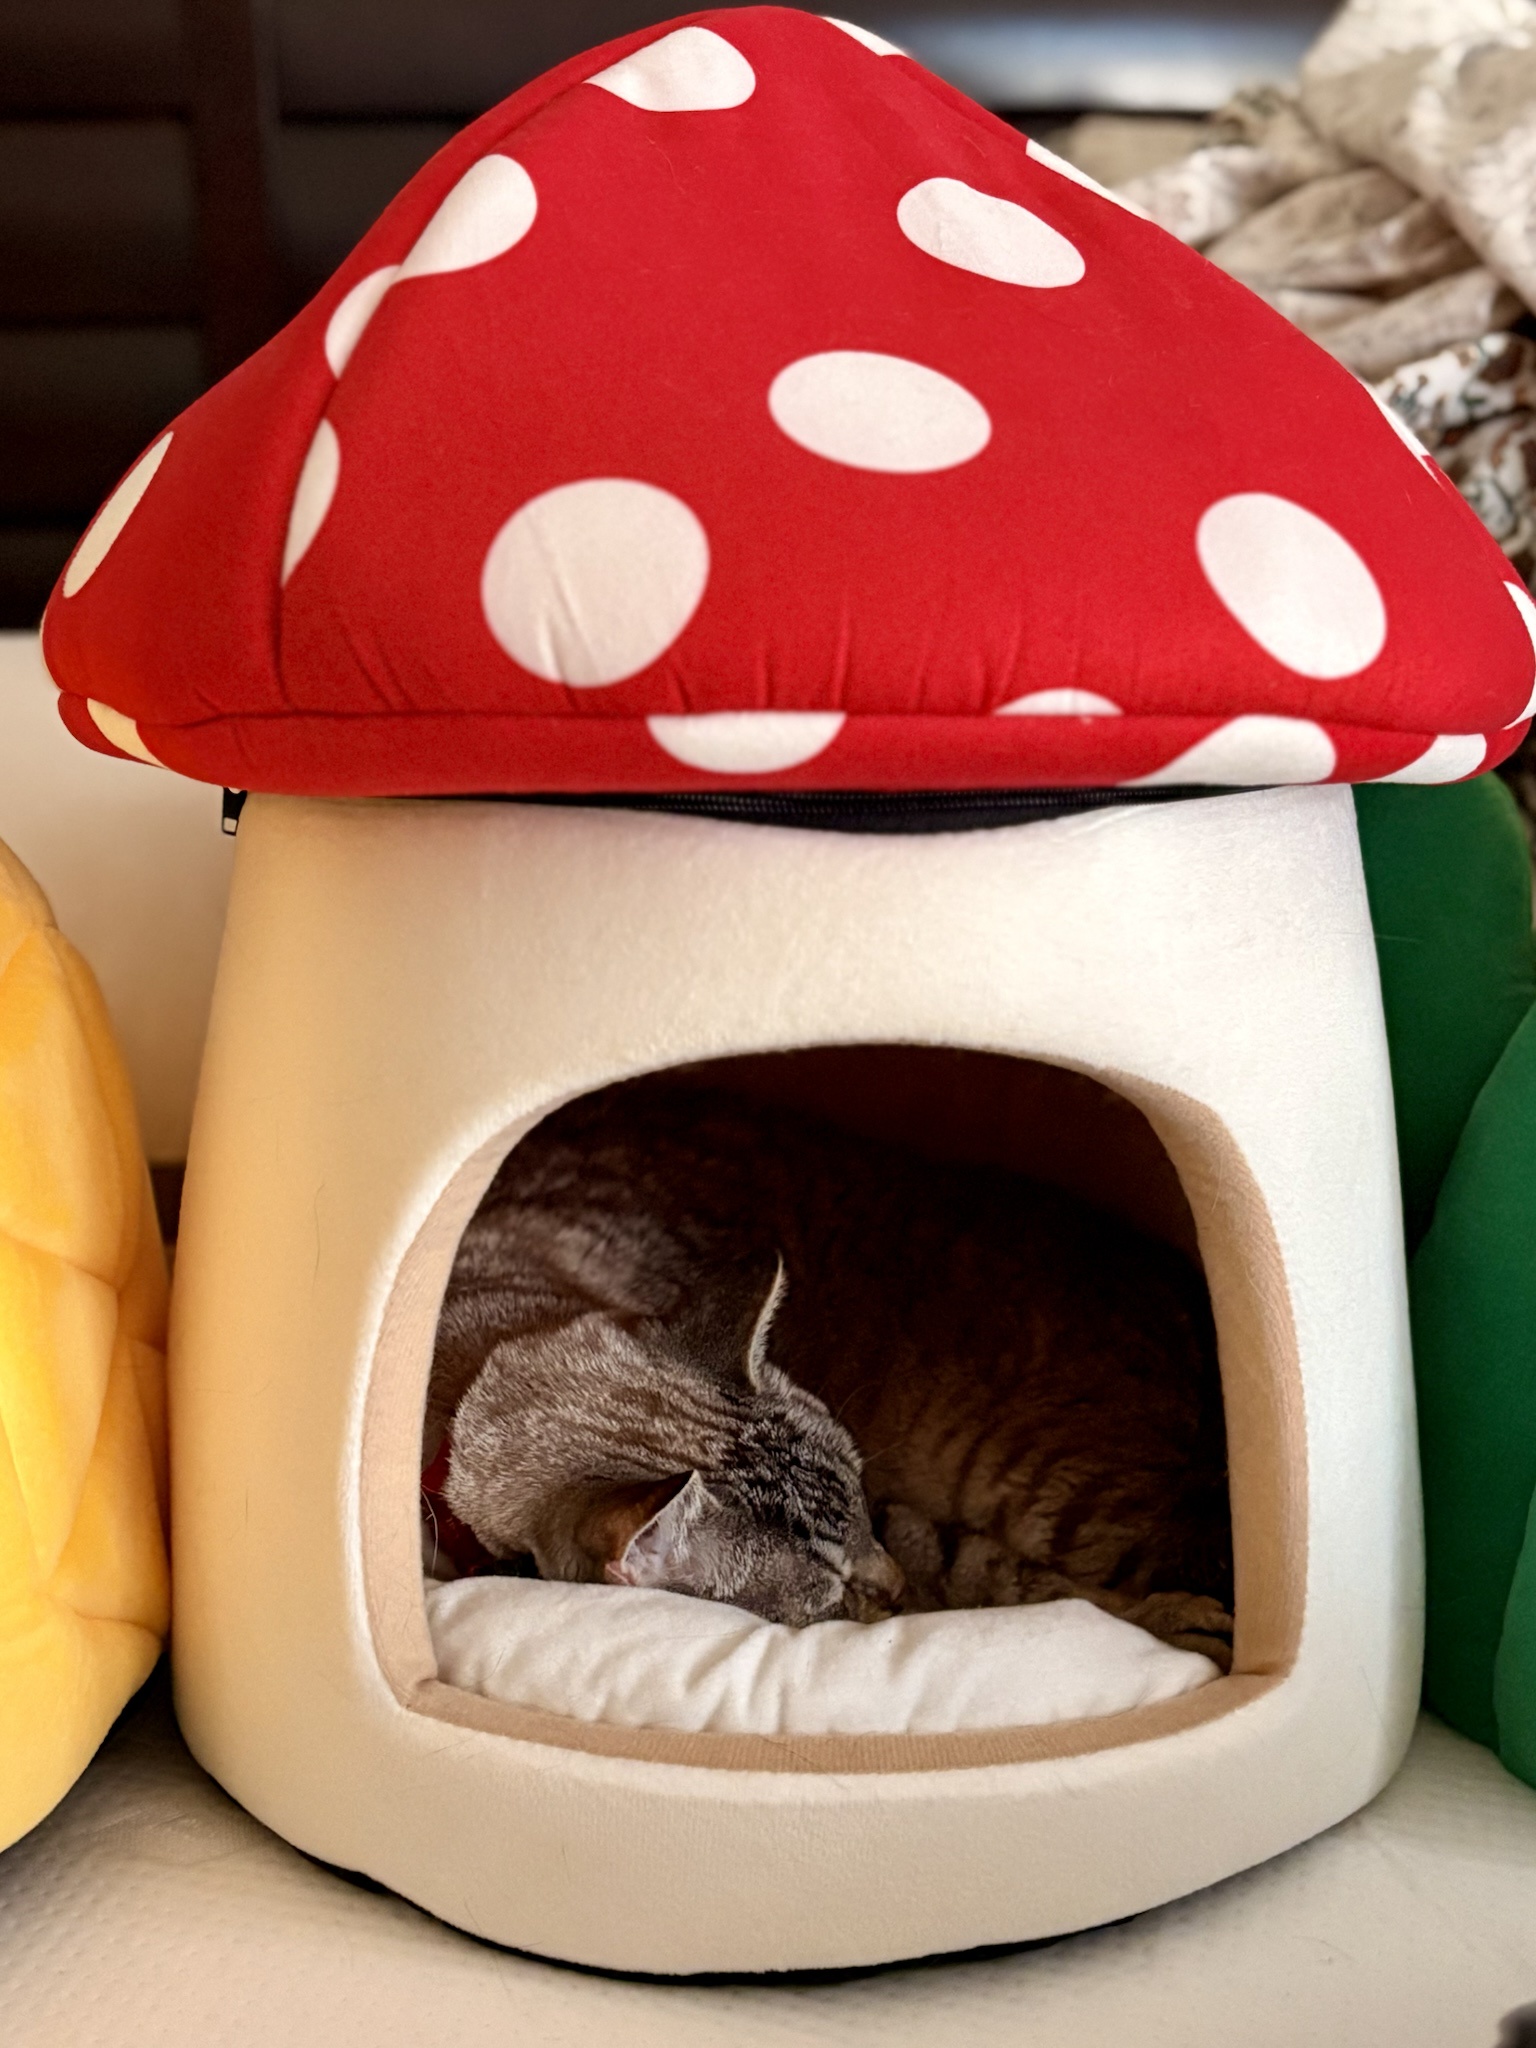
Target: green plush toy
(1449,878)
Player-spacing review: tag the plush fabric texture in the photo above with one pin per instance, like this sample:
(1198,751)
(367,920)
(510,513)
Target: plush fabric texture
(83,1586)
(740,406)
(1449,879)
(553,949)
(1448,872)
(1450,892)
(1473,1289)
(646,1659)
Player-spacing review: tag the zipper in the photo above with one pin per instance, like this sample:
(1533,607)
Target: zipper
(840,810)
(879,810)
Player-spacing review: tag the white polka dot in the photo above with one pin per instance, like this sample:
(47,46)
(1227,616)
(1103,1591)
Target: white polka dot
(1521,598)
(344,329)
(312,498)
(1061,704)
(487,213)
(121,731)
(866,36)
(1400,426)
(878,412)
(1293,583)
(691,71)
(993,237)
(113,517)
(747,742)
(592,581)
(1447,758)
(1250,752)
(1059,164)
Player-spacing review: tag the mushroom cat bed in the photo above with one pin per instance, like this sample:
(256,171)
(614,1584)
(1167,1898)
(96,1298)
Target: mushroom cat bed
(743,464)
(83,1593)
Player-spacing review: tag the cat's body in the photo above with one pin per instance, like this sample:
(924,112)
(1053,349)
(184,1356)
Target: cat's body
(1031,1385)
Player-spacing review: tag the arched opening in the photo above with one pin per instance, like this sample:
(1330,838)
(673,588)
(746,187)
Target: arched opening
(1156,1161)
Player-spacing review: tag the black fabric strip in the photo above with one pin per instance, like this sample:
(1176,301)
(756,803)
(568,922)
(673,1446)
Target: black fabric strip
(838,810)
(878,810)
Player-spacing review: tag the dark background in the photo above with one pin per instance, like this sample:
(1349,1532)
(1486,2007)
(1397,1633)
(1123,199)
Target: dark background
(178,176)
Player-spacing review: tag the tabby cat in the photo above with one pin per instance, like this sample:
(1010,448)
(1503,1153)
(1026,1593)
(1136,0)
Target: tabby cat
(696,1341)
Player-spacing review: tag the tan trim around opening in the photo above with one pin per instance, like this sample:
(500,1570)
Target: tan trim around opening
(1266,1441)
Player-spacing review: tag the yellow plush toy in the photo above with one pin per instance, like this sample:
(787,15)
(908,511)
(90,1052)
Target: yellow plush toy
(84,1589)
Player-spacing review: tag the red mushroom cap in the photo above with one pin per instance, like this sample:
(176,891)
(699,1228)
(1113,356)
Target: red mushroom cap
(739,406)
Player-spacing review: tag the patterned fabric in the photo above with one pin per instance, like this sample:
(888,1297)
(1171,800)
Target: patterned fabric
(1409,267)
(84,1594)
(740,406)
(1475,406)
(1443,92)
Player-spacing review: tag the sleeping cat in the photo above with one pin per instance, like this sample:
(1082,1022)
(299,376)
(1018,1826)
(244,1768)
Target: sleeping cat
(700,1342)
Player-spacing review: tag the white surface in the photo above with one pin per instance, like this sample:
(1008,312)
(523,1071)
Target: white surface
(954,223)
(745,742)
(880,412)
(866,36)
(1221,949)
(112,518)
(346,326)
(137,870)
(1294,582)
(487,213)
(1259,747)
(690,71)
(150,1912)
(312,496)
(641,1658)
(592,581)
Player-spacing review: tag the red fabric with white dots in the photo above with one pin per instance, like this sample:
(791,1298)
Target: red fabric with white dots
(741,407)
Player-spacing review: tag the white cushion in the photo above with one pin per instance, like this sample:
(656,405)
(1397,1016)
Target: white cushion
(643,1659)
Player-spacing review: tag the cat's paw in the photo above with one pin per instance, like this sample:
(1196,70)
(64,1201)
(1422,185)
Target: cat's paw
(1187,1621)
(911,1539)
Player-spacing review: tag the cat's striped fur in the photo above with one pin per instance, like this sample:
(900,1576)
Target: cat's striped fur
(1028,1383)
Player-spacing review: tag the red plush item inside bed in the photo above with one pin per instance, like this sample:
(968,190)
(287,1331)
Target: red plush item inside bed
(450,1540)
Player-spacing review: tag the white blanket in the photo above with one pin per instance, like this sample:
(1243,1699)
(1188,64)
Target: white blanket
(642,1659)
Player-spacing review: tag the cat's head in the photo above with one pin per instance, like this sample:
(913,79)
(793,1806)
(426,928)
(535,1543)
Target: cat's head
(778,1524)
(720,1539)
(670,1453)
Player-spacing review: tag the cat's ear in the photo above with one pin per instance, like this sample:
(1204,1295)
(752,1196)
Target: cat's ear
(656,1553)
(757,1346)
(611,1516)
